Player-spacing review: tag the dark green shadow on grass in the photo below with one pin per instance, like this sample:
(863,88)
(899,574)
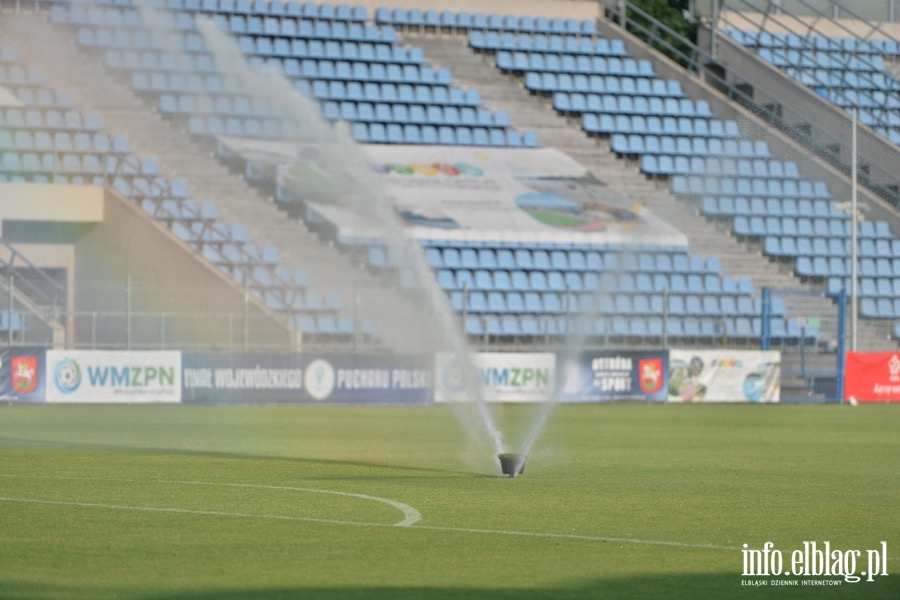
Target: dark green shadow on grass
(717,586)
(433,472)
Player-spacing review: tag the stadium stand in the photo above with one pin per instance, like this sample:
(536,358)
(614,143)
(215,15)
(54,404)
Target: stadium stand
(376,75)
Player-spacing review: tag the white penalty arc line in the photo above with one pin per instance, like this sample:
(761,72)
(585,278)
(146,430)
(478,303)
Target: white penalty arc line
(503,532)
(215,513)
(410,514)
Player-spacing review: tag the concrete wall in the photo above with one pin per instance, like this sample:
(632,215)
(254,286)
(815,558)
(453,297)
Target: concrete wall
(105,243)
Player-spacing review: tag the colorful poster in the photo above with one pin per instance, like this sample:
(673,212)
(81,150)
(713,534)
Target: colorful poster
(458,193)
(22,374)
(724,375)
(217,378)
(502,377)
(100,376)
(872,376)
(611,375)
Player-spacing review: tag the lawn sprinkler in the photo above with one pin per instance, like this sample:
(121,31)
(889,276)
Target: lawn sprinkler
(512,465)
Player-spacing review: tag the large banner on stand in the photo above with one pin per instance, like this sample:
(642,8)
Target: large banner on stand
(872,376)
(98,376)
(502,377)
(612,375)
(536,195)
(22,374)
(724,375)
(247,378)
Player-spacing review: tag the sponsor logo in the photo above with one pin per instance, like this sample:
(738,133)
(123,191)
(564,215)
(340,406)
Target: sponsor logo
(24,374)
(67,375)
(650,372)
(319,379)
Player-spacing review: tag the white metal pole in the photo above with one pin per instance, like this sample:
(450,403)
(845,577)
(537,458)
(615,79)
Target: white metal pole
(854,225)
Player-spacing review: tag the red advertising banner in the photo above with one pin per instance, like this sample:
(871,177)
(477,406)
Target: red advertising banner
(872,376)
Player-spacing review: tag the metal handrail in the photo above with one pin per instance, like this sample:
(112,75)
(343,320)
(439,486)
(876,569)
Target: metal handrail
(26,286)
(769,107)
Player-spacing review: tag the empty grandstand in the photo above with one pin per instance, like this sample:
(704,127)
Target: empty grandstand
(613,193)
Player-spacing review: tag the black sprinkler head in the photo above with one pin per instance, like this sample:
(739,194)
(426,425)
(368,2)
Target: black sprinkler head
(512,465)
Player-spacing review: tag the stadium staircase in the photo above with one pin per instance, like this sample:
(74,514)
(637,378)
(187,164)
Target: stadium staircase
(182,156)
(506,92)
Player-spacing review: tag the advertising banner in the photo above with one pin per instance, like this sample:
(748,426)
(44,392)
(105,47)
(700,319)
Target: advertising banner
(872,376)
(724,375)
(503,377)
(458,193)
(95,376)
(22,374)
(610,375)
(245,378)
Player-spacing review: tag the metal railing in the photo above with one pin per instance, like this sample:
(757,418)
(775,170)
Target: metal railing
(879,179)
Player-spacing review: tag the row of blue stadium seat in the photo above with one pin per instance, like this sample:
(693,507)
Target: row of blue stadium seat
(875,106)
(603,124)
(834,266)
(415,114)
(374,50)
(18,75)
(72,164)
(699,186)
(466,21)
(539,62)
(161,82)
(125,15)
(394,133)
(578,281)
(791,227)
(49,119)
(243,127)
(360,71)
(669,164)
(309,10)
(611,105)
(63,141)
(626,85)
(638,328)
(618,305)
(41,96)
(868,287)
(493,41)
(827,61)
(390,93)
(377,52)
(759,206)
(793,246)
(832,83)
(529,258)
(879,308)
(353,70)
(794,41)
(223,105)
(330,327)
(730,152)
(293,28)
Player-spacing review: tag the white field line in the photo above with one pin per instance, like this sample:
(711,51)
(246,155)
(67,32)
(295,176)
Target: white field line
(410,514)
(411,517)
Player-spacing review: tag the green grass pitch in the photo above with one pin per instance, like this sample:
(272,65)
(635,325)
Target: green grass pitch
(617,501)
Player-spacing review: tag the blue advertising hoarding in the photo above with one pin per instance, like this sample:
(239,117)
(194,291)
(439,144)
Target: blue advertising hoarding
(614,375)
(246,378)
(22,374)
